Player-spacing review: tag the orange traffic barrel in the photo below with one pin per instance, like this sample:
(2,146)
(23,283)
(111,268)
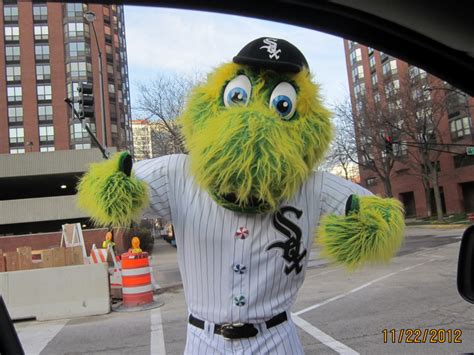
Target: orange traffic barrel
(136,280)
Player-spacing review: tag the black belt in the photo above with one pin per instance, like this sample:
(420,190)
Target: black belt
(239,330)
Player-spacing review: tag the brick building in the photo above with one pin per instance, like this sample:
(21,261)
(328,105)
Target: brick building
(46,50)
(374,78)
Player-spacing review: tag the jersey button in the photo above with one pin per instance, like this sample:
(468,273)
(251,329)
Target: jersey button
(242,233)
(240,269)
(239,301)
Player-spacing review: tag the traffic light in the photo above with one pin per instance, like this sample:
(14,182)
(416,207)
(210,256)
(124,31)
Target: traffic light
(86,101)
(388,144)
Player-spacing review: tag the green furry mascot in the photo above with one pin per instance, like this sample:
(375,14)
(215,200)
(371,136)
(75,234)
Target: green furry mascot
(247,201)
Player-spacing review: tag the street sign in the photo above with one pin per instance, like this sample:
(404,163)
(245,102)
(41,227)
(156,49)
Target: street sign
(470,150)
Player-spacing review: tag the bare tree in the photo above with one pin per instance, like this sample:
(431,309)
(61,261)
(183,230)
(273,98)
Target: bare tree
(342,153)
(365,144)
(162,100)
(402,127)
(416,115)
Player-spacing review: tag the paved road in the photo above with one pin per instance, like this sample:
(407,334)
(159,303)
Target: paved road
(336,311)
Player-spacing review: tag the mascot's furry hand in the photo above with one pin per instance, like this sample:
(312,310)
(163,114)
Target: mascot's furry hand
(110,192)
(371,231)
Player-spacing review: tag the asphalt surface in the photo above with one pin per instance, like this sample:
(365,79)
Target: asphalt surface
(338,312)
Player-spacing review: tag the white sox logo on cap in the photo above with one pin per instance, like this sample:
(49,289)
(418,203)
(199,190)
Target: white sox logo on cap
(271,47)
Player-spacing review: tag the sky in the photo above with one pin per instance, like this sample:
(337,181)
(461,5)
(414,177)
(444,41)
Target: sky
(163,40)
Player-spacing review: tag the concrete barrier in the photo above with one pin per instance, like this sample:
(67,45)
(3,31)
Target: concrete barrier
(57,292)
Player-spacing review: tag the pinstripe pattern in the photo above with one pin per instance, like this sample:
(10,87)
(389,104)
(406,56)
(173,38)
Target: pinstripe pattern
(208,250)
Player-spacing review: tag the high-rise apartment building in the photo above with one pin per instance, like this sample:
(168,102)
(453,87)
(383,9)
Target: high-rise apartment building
(152,139)
(429,123)
(46,50)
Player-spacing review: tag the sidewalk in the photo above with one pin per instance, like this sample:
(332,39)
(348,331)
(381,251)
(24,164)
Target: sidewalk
(164,263)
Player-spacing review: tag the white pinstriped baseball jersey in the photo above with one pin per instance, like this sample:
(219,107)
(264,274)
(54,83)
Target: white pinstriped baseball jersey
(236,267)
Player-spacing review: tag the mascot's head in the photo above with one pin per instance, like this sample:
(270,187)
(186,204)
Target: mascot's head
(257,127)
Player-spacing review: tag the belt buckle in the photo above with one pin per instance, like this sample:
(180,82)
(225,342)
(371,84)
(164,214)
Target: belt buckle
(230,327)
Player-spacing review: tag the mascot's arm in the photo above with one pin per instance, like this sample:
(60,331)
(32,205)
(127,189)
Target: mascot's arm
(111,193)
(371,231)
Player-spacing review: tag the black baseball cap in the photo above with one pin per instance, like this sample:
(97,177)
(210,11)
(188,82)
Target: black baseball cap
(272,53)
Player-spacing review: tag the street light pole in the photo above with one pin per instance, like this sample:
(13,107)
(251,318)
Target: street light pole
(90,17)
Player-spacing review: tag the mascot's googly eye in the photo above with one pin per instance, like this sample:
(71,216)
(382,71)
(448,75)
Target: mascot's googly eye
(237,92)
(283,100)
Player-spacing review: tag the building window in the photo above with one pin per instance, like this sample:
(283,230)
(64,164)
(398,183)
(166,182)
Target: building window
(400,149)
(42,52)
(356,55)
(352,44)
(15,114)
(106,10)
(420,94)
(456,103)
(416,73)
(357,73)
(41,32)
(423,114)
(77,132)
(372,63)
(43,92)
(81,146)
(377,97)
(77,49)
(17,150)
(359,90)
(460,127)
(12,53)
(40,12)
(72,90)
(79,69)
(44,149)
(374,79)
(111,89)
(46,133)
(10,13)
(13,73)
(45,112)
(17,135)
(12,33)
(110,69)
(463,160)
(370,181)
(390,67)
(43,72)
(14,93)
(370,50)
(392,87)
(76,29)
(75,9)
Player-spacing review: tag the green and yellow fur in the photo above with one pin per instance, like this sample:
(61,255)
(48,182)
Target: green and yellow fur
(371,234)
(249,150)
(109,196)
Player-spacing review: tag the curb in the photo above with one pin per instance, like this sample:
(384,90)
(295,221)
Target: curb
(169,288)
(441,226)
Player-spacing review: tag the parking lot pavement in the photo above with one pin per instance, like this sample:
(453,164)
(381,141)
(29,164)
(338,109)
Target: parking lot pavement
(336,311)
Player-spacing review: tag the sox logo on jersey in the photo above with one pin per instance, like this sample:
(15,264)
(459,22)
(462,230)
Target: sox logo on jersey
(291,247)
